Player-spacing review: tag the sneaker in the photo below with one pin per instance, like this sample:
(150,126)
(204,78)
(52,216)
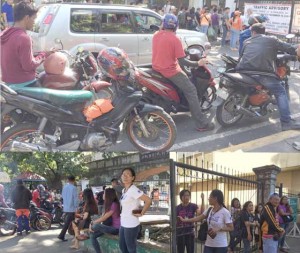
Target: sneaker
(292,125)
(62,239)
(206,127)
(28,232)
(19,233)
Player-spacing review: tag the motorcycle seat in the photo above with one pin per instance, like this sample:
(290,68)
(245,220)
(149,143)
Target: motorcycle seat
(242,78)
(156,75)
(56,97)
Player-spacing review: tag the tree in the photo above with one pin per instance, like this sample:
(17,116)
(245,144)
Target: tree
(53,166)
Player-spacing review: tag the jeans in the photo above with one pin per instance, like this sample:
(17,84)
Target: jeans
(23,220)
(68,220)
(269,245)
(234,37)
(128,239)
(224,35)
(190,92)
(214,249)
(275,87)
(235,239)
(282,239)
(246,243)
(216,29)
(186,241)
(99,230)
(204,29)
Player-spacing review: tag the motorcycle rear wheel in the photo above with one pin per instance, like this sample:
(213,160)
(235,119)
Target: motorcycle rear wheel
(228,107)
(161,129)
(24,132)
(6,230)
(42,223)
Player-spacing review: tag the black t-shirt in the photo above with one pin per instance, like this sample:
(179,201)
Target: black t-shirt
(245,216)
(100,198)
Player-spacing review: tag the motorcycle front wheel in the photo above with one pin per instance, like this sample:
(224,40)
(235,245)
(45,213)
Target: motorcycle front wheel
(24,132)
(42,223)
(7,229)
(227,113)
(155,131)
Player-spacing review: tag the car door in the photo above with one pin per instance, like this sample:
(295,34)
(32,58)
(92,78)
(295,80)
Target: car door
(116,30)
(145,34)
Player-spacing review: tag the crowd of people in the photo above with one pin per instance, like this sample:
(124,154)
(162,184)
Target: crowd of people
(266,225)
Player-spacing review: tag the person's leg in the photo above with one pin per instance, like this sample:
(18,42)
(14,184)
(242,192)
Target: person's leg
(19,221)
(190,243)
(208,249)
(75,245)
(220,250)
(282,239)
(68,219)
(246,243)
(190,92)
(234,38)
(269,245)
(216,29)
(122,242)
(224,35)
(180,244)
(205,29)
(131,238)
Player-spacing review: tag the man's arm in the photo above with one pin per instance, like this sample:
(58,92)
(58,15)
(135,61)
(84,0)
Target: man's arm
(288,48)
(185,62)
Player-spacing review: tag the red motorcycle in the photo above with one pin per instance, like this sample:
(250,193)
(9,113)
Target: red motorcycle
(161,91)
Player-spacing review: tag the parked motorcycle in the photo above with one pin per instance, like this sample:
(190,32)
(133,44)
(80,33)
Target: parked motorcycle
(162,92)
(81,74)
(8,224)
(240,95)
(62,126)
(55,210)
(39,220)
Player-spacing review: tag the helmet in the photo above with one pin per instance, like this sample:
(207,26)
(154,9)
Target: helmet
(257,19)
(40,187)
(1,188)
(114,63)
(55,63)
(170,21)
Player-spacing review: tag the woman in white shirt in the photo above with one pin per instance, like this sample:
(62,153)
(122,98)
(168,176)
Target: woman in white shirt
(130,202)
(219,223)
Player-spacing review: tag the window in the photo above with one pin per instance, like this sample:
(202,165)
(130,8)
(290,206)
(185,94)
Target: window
(116,23)
(144,21)
(83,21)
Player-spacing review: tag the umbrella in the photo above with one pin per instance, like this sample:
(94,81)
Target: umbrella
(4,177)
(30,177)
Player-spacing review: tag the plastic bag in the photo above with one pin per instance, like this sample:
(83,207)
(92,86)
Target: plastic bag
(211,32)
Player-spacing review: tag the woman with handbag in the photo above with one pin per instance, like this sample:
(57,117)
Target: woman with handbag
(130,202)
(109,222)
(185,231)
(83,218)
(219,223)
(285,217)
(205,21)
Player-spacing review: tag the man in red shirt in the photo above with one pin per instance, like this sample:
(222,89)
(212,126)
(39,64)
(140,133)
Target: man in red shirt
(18,65)
(167,52)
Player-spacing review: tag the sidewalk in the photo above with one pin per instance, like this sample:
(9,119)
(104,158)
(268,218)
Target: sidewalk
(293,244)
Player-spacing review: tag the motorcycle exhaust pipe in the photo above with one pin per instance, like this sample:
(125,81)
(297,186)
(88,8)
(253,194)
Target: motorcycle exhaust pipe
(27,147)
(247,112)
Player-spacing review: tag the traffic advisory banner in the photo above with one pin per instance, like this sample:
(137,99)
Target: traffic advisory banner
(296,19)
(279,16)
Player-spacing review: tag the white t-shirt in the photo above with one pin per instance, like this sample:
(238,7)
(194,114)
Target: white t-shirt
(129,202)
(218,220)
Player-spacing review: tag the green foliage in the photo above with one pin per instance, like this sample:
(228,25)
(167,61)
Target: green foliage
(53,166)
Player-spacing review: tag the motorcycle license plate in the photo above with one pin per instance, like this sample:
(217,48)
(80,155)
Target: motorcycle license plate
(222,93)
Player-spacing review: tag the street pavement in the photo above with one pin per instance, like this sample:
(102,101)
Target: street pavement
(46,242)
(264,132)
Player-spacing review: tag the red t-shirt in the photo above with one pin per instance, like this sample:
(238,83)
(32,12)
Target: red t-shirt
(166,49)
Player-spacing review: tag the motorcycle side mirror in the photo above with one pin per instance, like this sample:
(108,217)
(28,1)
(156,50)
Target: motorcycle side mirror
(154,28)
(80,49)
(58,41)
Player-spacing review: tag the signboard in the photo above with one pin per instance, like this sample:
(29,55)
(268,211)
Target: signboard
(279,16)
(294,206)
(296,19)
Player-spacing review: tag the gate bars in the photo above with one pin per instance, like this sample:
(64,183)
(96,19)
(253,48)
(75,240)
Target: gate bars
(203,181)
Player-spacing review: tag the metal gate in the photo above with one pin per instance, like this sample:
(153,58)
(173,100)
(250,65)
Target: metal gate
(203,181)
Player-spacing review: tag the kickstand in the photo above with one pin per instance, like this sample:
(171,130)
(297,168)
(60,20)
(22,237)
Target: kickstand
(296,145)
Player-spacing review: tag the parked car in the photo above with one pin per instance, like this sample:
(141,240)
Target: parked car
(96,26)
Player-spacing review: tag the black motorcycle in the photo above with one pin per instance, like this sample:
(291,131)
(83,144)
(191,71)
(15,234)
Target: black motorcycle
(239,94)
(54,209)
(62,126)
(8,225)
(39,220)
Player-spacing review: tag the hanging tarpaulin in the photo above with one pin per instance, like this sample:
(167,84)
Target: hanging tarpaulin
(4,177)
(278,14)
(30,177)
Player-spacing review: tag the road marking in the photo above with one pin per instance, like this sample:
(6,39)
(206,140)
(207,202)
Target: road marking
(225,134)
(261,142)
